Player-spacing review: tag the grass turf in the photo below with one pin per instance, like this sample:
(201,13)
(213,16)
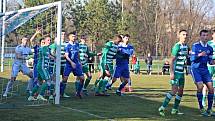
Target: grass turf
(141,104)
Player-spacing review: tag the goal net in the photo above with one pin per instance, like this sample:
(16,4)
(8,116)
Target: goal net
(14,25)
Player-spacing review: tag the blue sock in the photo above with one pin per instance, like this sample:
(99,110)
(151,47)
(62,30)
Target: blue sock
(122,86)
(129,82)
(62,87)
(80,86)
(210,100)
(199,97)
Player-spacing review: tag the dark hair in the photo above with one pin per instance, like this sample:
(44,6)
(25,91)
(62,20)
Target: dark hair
(72,33)
(127,35)
(83,36)
(203,31)
(119,36)
(40,39)
(182,30)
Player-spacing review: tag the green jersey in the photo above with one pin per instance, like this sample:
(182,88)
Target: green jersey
(43,61)
(84,53)
(109,52)
(53,48)
(180,51)
(212,44)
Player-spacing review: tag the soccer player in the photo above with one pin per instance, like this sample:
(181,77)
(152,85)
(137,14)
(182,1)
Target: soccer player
(43,71)
(53,48)
(201,55)
(36,46)
(106,65)
(73,64)
(84,55)
(210,68)
(177,65)
(125,50)
(22,53)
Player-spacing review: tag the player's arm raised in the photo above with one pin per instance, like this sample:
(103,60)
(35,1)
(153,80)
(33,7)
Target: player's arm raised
(38,31)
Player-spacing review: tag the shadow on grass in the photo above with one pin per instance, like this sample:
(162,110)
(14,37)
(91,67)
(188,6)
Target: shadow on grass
(138,105)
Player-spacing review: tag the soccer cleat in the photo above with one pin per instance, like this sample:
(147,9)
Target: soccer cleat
(65,95)
(31,98)
(118,93)
(40,97)
(108,87)
(210,113)
(5,94)
(85,92)
(176,112)
(78,95)
(203,112)
(51,97)
(161,111)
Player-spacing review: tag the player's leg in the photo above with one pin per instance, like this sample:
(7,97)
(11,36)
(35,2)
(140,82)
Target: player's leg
(208,82)
(125,74)
(29,73)
(204,92)
(14,73)
(80,76)
(174,84)
(116,74)
(179,95)
(63,84)
(89,77)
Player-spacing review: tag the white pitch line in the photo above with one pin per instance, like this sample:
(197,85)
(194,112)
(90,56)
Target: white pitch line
(81,111)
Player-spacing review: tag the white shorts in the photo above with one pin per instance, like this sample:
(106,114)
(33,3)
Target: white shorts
(16,68)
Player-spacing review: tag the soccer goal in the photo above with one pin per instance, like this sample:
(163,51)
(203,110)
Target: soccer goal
(15,24)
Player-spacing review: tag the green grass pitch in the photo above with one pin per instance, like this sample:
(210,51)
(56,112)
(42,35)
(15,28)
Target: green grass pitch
(142,104)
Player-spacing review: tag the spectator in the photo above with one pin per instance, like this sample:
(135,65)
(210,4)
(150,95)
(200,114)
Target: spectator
(165,67)
(137,67)
(133,61)
(148,61)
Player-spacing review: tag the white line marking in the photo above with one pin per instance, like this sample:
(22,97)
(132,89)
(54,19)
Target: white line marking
(81,111)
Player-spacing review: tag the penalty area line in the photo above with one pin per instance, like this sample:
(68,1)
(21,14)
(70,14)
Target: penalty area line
(88,113)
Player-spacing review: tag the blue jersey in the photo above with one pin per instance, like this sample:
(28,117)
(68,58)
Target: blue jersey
(73,52)
(201,62)
(36,53)
(123,54)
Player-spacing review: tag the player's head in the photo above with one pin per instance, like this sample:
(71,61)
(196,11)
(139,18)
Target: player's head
(204,35)
(213,34)
(83,38)
(72,36)
(182,35)
(24,40)
(47,40)
(63,34)
(117,39)
(41,41)
(126,38)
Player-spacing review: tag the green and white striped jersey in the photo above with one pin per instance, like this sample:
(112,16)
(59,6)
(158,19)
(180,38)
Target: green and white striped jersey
(109,52)
(180,51)
(212,44)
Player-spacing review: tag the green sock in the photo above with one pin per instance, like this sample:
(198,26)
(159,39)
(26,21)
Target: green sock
(177,101)
(167,100)
(104,85)
(96,82)
(100,86)
(43,89)
(87,81)
(34,90)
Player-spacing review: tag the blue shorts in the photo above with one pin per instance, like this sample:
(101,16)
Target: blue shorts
(121,71)
(201,75)
(76,71)
(35,75)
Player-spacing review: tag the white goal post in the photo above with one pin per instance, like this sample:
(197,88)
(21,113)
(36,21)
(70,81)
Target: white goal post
(57,41)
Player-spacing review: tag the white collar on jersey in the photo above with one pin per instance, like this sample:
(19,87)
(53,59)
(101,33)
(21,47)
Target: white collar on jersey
(203,45)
